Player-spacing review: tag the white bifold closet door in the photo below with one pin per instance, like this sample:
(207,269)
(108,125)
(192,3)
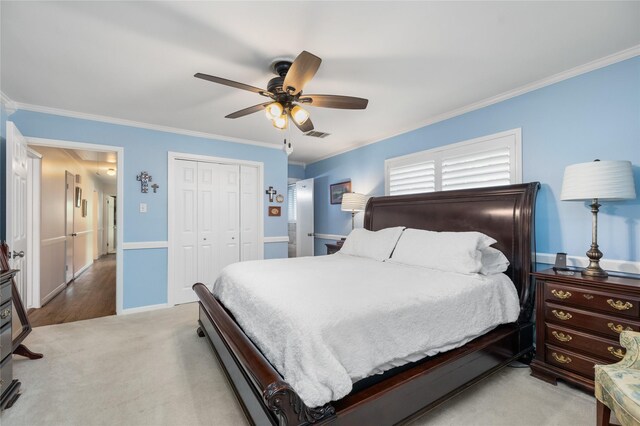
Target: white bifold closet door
(208,220)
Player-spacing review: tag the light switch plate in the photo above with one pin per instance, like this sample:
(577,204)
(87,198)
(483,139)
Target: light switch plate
(143,207)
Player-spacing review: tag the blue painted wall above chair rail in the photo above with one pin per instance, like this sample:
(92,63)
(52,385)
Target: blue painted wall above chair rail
(593,115)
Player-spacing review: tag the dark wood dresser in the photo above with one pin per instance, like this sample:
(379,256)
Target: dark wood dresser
(9,386)
(578,324)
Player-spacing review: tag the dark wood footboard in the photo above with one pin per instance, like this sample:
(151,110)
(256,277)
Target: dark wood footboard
(265,397)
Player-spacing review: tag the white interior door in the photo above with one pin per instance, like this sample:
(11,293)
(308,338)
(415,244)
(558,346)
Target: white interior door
(16,224)
(228,206)
(249,213)
(207,223)
(111,224)
(185,230)
(304,218)
(70,182)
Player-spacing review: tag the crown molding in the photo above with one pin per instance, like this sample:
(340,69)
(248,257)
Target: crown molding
(298,163)
(9,104)
(138,124)
(623,55)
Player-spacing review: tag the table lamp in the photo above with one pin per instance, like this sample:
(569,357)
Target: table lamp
(597,181)
(353,202)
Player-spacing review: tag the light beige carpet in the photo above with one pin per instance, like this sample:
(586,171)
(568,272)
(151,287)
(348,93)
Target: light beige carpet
(152,369)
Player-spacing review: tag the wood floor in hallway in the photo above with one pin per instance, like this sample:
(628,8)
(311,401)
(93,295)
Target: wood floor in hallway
(91,295)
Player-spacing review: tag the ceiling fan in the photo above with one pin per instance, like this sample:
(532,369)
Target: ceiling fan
(285,92)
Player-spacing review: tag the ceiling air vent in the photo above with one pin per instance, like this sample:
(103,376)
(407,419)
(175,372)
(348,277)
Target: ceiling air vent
(316,134)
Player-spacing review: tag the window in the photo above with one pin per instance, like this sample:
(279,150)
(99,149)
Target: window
(487,161)
(291,202)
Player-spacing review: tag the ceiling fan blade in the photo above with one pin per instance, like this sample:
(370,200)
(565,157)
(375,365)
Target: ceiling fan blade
(305,127)
(334,101)
(302,70)
(248,111)
(232,83)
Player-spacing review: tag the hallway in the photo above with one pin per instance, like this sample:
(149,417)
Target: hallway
(91,295)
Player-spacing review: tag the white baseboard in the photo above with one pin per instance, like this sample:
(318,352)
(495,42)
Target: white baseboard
(53,294)
(81,270)
(628,266)
(140,245)
(128,311)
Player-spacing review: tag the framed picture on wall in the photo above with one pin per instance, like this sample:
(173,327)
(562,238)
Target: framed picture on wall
(78,196)
(337,189)
(84,208)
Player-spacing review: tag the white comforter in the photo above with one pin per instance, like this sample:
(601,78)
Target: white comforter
(326,322)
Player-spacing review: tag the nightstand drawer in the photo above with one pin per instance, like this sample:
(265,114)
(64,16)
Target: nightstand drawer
(568,360)
(616,304)
(590,321)
(590,345)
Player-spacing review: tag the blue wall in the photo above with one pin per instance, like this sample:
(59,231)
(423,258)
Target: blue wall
(594,115)
(145,275)
(296,171)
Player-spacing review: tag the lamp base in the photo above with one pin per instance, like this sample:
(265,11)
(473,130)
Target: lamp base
(594,271)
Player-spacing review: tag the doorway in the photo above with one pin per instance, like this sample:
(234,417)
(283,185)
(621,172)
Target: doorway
(215,219)
(301,221)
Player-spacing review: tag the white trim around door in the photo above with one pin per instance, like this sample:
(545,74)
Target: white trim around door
(171,159)
(54,143)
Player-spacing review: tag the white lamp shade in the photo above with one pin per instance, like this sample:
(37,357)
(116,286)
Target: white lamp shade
(353,202)
(604,180)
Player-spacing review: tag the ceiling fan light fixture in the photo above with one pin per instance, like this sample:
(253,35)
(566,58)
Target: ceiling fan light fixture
(299,115)
(111,172)
(274,110)
(280,122)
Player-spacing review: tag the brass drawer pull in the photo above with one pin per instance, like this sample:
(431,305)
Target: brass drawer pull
(619,305)
(5,313)
(561,315)
(561,336)
(616,352)
(561,294)
(587,296)
(618,328)
(561,358)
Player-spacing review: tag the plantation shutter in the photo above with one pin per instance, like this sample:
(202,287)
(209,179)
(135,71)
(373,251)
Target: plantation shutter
(412,178)
(479,169)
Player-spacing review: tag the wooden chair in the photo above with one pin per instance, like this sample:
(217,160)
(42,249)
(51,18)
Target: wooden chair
(617,386)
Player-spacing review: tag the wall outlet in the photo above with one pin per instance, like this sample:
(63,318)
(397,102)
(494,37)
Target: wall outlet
(143,207)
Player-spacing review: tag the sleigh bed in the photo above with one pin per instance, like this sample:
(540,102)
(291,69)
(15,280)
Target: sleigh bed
(506,213)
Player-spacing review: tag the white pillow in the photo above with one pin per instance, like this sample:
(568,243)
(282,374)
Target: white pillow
(376,245)
(447,251)
(493,261)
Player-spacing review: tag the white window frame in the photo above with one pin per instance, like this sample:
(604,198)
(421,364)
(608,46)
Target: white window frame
(470,146)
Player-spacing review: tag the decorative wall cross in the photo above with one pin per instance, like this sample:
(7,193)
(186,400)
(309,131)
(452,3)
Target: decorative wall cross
(271,192)
(144,178)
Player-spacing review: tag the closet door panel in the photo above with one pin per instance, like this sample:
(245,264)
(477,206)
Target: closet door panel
(229,209)
(186,228)
(208,262)
(249,213)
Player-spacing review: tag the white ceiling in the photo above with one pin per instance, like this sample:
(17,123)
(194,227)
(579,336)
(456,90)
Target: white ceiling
(97,162)
(413,61)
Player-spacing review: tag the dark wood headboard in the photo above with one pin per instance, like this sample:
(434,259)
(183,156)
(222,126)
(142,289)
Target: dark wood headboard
(505,213)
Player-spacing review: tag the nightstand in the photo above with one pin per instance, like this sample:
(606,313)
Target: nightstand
(332,248)
(578,324)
